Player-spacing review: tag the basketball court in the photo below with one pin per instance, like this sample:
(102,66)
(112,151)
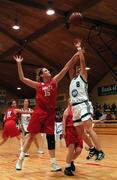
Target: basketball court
(38,166)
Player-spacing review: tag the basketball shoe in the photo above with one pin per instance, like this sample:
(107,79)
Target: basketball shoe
(68,171)
(55,167)
(92,152)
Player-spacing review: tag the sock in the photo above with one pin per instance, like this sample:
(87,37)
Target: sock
(22,155)
(68,165)
(53,160)
(21,148)
(93,148)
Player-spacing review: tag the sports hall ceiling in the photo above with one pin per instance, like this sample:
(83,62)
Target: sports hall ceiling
(48,40)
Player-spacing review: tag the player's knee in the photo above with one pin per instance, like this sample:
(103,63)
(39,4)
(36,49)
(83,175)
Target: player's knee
(89,129)
(50,141)
(78,151)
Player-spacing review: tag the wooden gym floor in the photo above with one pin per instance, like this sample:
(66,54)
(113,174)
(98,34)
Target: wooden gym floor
(37,167)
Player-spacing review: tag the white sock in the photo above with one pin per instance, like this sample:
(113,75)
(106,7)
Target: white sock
(21,148)
(53,160)
(68,165)
(22,155)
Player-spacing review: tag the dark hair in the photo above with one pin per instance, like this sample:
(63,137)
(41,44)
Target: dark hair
(27,100)
(11,101)
(40,73)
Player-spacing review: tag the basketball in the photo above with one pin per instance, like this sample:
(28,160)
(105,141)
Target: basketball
(75,18)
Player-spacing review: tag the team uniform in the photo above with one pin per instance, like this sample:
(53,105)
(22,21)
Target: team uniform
(71,136)
(43,117)
(10,129)
(25,119)
(81,106)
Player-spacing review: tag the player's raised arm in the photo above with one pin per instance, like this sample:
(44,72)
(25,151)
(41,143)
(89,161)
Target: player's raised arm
(66,68)
(83,70)
(27,81)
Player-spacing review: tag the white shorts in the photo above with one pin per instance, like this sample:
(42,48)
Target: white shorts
(82,112)
(25,126)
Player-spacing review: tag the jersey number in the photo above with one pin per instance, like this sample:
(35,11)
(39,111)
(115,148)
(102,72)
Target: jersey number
(77,84)
(47,92)
(9,114)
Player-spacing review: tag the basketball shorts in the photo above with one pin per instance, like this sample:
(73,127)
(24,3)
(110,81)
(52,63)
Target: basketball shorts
(82,112)
(71,137)
(10,129)
(42,121)
(25,126)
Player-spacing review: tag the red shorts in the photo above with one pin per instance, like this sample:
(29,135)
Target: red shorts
(72,137)
(42,121)
(10,129)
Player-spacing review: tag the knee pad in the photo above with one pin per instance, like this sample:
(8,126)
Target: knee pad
(50,141)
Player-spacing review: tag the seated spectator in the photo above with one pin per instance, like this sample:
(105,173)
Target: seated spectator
(113,107)
(103,117)
(98,113)
(108,116)
(105,106)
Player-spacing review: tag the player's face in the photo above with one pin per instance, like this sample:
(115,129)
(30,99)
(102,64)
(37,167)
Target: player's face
(26,102)
(77,70)
(46,73)
(14,104)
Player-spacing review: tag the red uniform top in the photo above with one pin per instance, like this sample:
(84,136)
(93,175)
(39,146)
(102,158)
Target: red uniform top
(46,95)
(10,115)
(69,121)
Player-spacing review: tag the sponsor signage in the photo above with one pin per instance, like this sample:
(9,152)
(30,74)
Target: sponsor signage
(107,90)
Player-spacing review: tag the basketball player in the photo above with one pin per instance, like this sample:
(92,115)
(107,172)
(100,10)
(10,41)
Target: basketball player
(73,141)
(10,120)
(81,106)
(25,119)
(43,117)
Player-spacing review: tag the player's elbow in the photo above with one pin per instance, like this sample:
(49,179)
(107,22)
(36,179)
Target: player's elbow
(22,79)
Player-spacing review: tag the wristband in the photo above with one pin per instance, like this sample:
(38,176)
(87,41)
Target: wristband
(79,48)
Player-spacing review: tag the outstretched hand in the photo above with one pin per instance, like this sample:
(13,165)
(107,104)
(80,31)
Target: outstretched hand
(18,58)
(77,43)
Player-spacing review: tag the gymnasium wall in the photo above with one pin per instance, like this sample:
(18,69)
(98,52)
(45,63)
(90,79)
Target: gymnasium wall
(9,95)
(107,80)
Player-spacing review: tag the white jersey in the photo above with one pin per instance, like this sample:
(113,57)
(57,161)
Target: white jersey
(25,118)
(78,90)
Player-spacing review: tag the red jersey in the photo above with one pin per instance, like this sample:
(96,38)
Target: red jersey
(10,115)
(46,95)
(69,121)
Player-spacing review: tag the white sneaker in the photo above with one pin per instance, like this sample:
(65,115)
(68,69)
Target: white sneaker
(27,154)
(40,152)
(19,164)
(55,167)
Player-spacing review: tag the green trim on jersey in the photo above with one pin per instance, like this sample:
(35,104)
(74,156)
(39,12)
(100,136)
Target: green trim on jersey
(83,79)
(77,120)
